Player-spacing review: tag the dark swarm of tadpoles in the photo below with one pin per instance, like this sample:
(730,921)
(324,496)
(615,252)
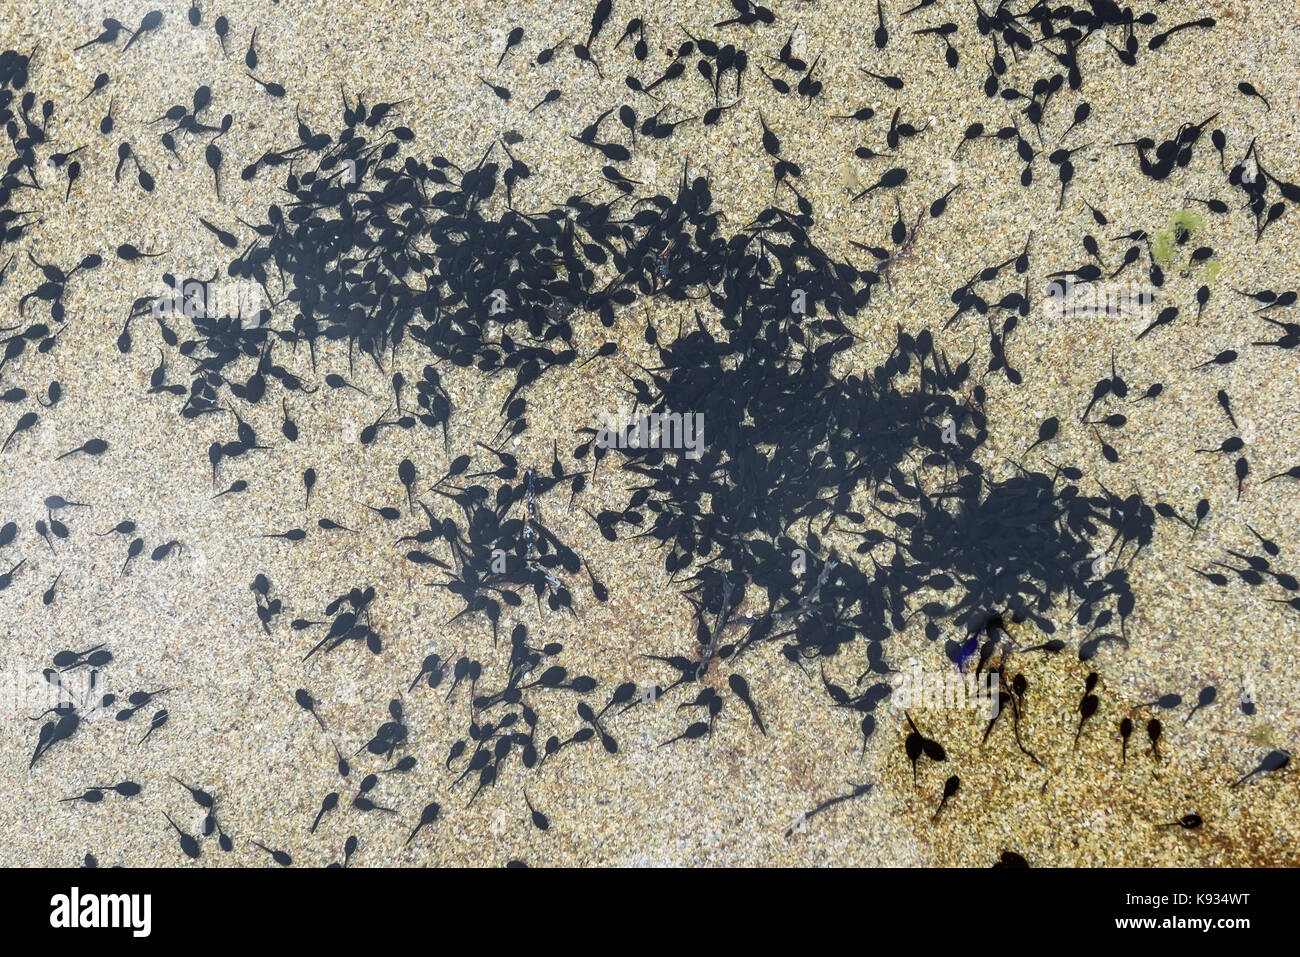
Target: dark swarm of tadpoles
(383,251)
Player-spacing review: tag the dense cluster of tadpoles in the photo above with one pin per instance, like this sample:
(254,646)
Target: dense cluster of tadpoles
(382,251)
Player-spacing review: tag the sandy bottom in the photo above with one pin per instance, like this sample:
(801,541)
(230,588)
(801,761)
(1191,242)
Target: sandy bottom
(188,624)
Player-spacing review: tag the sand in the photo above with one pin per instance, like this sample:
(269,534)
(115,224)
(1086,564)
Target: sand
(188,624)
